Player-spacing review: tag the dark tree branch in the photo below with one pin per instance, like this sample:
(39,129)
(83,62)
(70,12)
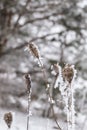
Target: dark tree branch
(21,13)
(10,50)
(39,19)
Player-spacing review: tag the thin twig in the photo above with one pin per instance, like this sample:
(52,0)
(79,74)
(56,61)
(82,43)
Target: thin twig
(29,100)
(48,94)
(56,119)
(28,85)
(21,13)
(10,50)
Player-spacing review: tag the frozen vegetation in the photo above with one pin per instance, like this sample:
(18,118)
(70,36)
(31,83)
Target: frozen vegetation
(36,122)
(59,29)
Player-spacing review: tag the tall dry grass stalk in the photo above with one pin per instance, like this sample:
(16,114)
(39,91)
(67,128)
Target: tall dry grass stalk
(66,79)
(69,74)
(28,86)
(34,50)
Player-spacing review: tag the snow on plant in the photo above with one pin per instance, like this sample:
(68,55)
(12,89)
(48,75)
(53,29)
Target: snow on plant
(28,84)
(65,78)
(35,52)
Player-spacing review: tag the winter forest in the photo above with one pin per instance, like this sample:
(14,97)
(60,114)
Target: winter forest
(43,64)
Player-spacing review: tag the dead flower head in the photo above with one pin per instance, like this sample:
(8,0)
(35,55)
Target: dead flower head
(8,119)
(28,81)
(68,73)
(34,50)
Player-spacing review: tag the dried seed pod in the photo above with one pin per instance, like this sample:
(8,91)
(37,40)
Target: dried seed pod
(28,82)
(8,119)
(68,73)
(34,50)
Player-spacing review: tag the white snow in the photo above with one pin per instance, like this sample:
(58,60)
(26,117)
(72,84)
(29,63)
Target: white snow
(38,123)
(19,122)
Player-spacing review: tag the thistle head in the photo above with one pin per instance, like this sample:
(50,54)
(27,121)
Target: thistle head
(28,81)
(34,50)
(68,73)
(8,118)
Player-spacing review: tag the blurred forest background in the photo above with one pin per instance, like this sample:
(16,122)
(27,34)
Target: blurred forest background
(59,29)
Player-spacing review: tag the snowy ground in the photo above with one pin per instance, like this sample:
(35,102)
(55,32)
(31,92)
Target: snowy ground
(19,123)
(37,123)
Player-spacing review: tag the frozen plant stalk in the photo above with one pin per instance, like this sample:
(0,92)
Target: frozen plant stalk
(35,52)
(28,84)
(67,90)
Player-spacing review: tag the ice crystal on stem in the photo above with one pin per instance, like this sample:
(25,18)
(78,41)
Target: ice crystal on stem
(66,78)
(28,84)
(34,50)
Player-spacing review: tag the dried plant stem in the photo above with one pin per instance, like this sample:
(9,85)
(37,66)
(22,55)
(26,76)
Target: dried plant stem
(68,75)
(56,119)
(41,64)
(28,86)
(28,114)
(70,110)
(47,92)
(56,81)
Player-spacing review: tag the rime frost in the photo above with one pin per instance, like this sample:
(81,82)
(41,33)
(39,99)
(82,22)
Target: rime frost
(67,91)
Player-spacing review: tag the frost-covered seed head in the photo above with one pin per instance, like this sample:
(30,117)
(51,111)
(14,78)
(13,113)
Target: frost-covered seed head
(28,81)
(68,73)
(34,50)
(8,119)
